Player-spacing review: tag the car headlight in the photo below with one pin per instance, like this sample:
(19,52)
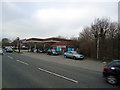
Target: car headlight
(77,56)
(81,56)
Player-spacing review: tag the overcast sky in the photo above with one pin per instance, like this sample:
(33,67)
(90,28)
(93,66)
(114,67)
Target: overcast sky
(52,18)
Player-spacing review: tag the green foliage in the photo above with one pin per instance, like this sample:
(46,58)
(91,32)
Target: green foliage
(6,42)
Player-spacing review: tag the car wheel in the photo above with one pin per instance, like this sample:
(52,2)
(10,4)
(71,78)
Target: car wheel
(74,58)
(65,56)
(111,80)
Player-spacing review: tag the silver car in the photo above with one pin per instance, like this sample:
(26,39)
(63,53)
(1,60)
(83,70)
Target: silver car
(74,55)
(9,49)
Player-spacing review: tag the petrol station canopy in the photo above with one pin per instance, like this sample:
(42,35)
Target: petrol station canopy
(46,40)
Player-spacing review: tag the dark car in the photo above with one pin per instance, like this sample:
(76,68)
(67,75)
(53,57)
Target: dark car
(42,51)
(52,52)
(111,72)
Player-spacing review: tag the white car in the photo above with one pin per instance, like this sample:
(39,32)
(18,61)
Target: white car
(1,52)
(9,49)
(74,55)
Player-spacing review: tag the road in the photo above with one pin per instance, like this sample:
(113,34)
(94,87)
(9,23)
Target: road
(20,71)
(0,71)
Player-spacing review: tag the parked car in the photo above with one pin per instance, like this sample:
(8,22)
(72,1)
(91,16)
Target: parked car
(74,55)
(6,47)
(42,51)
(111,72)
(52,52)
(9,50)
(1,52)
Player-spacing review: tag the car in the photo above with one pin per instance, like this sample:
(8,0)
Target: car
(9,49)
(74,55)
(6,47)
(52,52)
(42,51)
(1,52)
(111,72)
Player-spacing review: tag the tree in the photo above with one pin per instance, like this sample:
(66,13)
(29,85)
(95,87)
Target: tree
(101,39)
(99,29)
(118,39)
(14,43)
(86,41)
(6,42)
(111,39)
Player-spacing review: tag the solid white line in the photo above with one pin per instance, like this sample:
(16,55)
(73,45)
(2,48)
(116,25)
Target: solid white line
(22,62)
(58,75)
(10,57)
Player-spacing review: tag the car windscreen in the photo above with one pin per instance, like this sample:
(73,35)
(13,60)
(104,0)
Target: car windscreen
(74,52)
(113,63)
(53,50)
(118,63)
(9,48)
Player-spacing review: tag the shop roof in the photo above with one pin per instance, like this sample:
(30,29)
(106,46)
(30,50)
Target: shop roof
(47,40)
(62,43)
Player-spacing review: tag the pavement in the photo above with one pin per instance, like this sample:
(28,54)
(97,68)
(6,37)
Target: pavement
(32,70)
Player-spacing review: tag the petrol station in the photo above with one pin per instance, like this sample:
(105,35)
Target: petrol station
(59,44)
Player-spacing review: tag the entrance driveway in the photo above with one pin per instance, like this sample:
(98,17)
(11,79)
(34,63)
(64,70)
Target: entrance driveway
(86,63)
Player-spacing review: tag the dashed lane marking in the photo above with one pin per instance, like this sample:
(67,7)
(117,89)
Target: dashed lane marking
(10,57)
(58,75)
(22,62)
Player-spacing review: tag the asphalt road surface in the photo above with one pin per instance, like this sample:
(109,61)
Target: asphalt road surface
(0,71)
(19,71)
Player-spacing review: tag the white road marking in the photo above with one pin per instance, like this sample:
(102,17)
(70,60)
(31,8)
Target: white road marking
(10,57)
(58,75)
(22,62)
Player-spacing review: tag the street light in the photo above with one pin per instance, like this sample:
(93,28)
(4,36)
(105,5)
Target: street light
(18,43)
(98,43)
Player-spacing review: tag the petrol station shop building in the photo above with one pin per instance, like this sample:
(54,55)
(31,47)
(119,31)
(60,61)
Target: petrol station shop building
(59,44)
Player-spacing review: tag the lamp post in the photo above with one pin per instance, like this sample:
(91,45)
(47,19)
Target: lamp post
(98,44)
(18,43)
(118,40)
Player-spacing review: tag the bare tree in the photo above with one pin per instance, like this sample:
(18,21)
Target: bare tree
(111,36)
(85,41)
(118,39)
(99,29)
(86,34)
